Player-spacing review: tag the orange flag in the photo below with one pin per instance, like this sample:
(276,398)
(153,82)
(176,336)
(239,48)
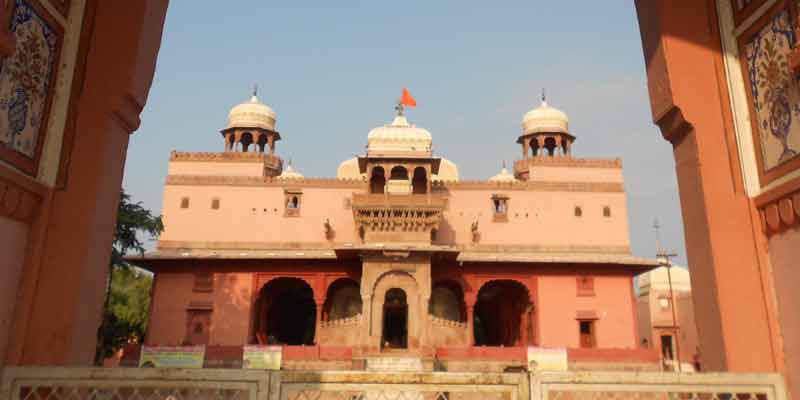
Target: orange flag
(407,100)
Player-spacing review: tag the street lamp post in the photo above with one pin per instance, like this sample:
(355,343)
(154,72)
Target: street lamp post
(664,259)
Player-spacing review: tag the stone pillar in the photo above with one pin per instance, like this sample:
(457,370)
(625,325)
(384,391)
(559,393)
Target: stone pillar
(689,102)
(271,143)
(60,295)
(318,323)
(470,321)
(526,149)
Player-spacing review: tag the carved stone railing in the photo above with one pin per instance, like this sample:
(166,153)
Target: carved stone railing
(270,160)
(58,383)
(350,321)
(447,323)
(397,218)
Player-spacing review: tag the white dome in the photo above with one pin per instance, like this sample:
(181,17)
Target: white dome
(657,279)
(503,176)
(448,172)
(348,169)
(399,137)
(290,173)
(545,119)
(252,114)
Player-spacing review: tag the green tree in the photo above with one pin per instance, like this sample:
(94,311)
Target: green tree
(128,292)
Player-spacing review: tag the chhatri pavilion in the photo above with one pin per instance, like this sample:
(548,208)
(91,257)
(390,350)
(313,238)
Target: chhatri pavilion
(396,256)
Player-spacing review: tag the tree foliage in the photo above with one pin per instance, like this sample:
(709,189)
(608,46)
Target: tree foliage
(128,293)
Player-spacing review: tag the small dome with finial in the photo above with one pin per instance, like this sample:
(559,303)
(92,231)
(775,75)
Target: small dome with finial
(503,176)
(290,173)
(399,137)
(545,119)
(252,114)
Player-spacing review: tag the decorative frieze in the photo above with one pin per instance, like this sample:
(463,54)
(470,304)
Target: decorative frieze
(269,160)
(545,161)
(20,197)
(447,323)
(531,186)
(350,321)
(401,218)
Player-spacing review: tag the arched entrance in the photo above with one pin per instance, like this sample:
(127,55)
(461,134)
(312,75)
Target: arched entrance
(395,320)
(343,300)
(285,313)
(447,301)
(502,314)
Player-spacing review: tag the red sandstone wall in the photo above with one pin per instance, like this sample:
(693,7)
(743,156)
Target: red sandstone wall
(783,257)
(171,294)
(558,306)
(230,319)
(230,315)
(13,236)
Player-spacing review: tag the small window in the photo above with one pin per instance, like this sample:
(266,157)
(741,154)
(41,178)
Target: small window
(198,327)
(586,328)
(585,285)
(500,208)
(578,212)
(184,202)
(293,202)
(215,204)
(606,211)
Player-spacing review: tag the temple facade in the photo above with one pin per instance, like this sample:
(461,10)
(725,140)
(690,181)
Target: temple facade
(396,256)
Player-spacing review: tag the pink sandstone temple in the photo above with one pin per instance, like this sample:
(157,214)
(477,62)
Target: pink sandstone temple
(396,256)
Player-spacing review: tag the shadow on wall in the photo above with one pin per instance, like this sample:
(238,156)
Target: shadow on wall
(231,321)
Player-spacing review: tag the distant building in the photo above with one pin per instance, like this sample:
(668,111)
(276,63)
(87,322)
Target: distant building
(396,256)
(656,327)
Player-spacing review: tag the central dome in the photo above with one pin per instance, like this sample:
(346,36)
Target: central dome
(545,119)
(399,137)
(252,114)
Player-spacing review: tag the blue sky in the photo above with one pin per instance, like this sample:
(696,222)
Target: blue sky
(332,71)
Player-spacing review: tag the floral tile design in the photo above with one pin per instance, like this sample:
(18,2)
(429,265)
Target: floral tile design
(25,79)
(776,100)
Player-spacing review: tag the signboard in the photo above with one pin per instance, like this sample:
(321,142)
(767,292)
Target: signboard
(172,357)
(542,359)
(262,357)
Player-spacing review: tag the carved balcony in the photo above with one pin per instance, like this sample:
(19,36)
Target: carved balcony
(397,218)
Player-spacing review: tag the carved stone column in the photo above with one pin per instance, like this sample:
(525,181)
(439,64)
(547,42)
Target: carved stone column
(470,321)
(318,322)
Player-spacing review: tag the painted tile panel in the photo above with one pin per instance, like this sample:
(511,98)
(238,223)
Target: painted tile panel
(26,83)
(774,97)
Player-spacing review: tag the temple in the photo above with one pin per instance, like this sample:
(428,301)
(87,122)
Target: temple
(396,257)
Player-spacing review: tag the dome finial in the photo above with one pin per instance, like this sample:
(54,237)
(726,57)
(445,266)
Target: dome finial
(255,90)
(544,96)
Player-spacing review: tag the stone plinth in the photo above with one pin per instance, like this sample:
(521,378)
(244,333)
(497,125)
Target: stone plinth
(394,364)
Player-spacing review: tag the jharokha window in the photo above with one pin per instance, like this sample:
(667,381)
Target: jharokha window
(770,57)
(292,201)
(499,208)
